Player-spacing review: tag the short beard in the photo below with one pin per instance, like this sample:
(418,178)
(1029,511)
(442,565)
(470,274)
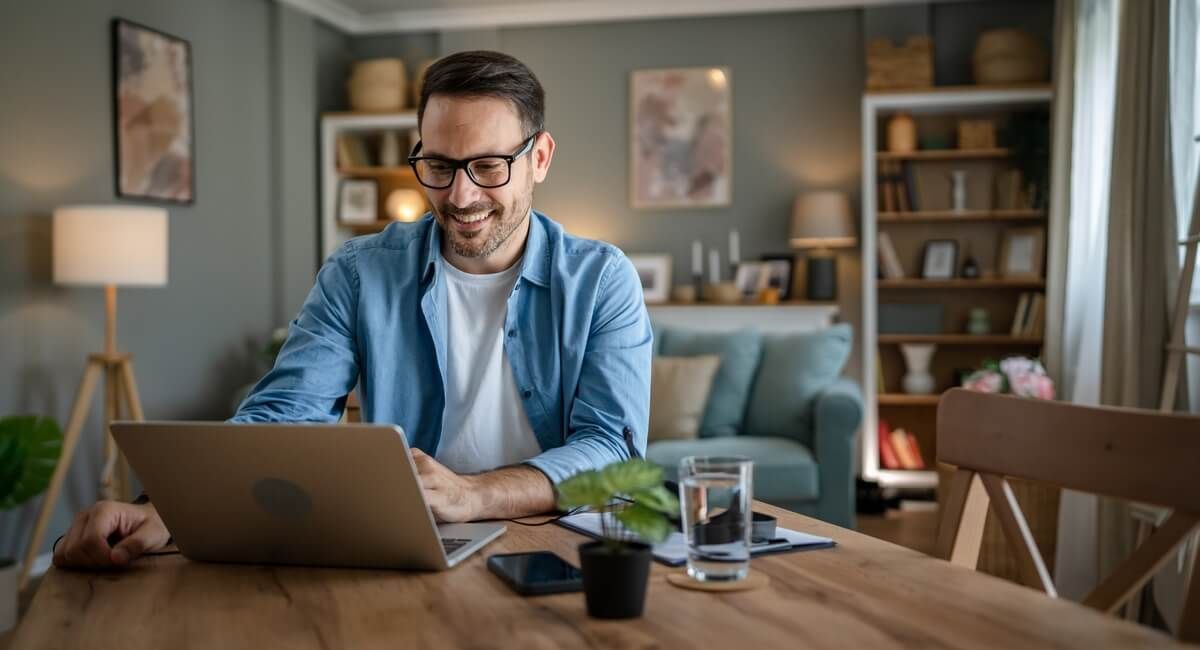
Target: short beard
(501,231)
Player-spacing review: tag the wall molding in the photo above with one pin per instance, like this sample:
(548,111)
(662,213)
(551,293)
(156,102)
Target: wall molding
(552,12)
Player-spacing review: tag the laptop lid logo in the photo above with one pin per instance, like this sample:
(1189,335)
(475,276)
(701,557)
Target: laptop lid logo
(282,498)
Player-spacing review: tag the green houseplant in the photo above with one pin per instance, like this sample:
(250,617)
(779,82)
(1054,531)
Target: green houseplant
(29,450)
(633,506)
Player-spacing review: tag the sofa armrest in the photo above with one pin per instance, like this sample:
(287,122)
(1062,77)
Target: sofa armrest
(838,412)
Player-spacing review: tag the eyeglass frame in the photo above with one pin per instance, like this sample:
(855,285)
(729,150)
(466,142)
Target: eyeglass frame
(464,163)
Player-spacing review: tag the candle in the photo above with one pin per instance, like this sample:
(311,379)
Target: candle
(735,249)
(697,258)
(714,266)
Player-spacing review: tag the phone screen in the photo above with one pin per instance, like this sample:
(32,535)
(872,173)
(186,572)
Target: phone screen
(541,571)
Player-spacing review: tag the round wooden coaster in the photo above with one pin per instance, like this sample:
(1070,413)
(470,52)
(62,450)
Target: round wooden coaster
(752,581)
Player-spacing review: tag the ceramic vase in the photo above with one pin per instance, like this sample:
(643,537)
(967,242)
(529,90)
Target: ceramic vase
(917,379)
(958,180)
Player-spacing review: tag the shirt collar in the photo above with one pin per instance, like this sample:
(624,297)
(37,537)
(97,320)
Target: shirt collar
(535,263)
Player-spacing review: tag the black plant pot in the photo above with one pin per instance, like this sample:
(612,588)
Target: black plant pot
(614,582)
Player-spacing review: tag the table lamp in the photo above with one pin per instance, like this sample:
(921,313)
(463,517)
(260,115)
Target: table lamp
(106,246)
(821,221)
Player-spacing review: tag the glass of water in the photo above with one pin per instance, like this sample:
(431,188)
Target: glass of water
(715,496)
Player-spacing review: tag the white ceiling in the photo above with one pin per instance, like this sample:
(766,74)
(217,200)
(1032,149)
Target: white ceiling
(392,16)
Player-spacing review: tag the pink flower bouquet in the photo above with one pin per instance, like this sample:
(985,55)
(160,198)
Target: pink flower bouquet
(1019,376)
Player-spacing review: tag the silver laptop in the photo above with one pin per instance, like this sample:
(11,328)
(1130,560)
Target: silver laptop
(344,495)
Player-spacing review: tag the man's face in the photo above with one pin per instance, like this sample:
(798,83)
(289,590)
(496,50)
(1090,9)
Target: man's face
(477,221)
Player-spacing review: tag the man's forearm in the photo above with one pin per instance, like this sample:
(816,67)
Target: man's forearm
(510,492)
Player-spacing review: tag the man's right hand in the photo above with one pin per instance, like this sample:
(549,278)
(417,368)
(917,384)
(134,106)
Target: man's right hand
(134,529)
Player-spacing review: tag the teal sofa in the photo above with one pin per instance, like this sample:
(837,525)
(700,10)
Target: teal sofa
(780,400)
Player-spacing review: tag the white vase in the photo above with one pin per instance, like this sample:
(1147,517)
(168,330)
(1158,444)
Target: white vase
(918,380)
(8,594)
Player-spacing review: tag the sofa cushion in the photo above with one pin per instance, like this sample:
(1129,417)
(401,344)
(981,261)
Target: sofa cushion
(784,470)
(739,352)
(794,369)
(679,388)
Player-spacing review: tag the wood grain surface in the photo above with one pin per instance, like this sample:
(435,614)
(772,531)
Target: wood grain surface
(864,593)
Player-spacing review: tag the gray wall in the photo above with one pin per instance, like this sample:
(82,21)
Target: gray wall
(241,258)
(797,81)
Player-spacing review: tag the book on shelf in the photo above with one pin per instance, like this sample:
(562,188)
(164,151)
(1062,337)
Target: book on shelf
(880,384)
(1030,317)
(889,261)
(907,450)
(352,151)
(887,455)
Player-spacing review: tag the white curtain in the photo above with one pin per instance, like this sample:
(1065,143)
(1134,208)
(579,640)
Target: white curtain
(1093,86)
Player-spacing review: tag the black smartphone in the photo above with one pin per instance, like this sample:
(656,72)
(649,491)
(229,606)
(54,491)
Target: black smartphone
(533,574)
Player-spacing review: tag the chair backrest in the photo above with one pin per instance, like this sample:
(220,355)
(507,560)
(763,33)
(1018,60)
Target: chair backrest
(1132,454)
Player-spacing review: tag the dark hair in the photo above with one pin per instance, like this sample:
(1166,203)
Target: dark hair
(482,73)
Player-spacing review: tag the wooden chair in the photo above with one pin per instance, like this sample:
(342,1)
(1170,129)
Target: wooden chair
(1132,454)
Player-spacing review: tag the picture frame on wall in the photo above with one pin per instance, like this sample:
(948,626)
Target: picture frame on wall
(940,259)
(153,122)
(681,138)
(654,271)
(358,200)
(1021,253)
(781,268)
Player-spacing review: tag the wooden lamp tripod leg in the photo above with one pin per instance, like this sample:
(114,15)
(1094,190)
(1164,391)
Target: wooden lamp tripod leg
(79,411)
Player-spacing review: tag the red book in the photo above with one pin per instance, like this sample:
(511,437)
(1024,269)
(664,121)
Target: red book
(887,455)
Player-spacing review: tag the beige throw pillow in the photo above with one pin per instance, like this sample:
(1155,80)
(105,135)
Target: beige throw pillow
(679,388)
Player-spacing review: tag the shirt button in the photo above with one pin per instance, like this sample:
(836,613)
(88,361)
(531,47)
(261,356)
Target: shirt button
(512,332)
(527,394)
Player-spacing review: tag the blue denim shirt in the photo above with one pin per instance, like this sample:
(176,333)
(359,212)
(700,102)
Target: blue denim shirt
(577,335)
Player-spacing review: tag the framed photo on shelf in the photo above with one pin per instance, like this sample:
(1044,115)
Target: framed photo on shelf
(655,273)
(751,278)
(153,128)
(1021,253)
(358,200)
(780,270)
(681,138)
(940,259)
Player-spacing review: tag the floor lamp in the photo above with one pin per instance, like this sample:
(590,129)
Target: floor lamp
(108,246)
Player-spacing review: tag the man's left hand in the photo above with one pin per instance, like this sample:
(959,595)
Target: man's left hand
(452,497)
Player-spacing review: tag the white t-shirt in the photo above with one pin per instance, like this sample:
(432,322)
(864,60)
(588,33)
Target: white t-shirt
(484,425)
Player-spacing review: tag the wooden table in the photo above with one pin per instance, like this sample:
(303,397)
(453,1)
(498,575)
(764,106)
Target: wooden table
(865,593)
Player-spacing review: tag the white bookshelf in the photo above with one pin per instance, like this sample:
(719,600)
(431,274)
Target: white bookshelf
(961,101)
(334,233)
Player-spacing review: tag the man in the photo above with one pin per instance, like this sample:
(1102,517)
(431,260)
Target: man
(512,354)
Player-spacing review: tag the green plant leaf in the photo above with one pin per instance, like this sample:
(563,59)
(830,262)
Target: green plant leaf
(631,476)
(657,498)
(29,450)
(648,524)
(586,488)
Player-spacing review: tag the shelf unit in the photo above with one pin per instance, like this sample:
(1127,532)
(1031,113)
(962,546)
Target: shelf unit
(979,228)
(335,232)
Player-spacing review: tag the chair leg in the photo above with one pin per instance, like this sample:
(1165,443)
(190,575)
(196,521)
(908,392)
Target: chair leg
(79,411)
(1030,564)
(1189,619)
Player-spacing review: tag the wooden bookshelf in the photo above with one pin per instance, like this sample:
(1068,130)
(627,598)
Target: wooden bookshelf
(959,283)
(944,154)
(921,179)
(960,339)
(952,216)
(903,399)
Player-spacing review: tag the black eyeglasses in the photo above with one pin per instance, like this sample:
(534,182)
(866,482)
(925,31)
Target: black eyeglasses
(485,171)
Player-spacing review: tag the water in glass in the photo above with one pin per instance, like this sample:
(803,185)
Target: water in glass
(715,496)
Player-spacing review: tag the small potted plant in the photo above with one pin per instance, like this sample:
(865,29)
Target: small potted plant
(633,507)
(29,451)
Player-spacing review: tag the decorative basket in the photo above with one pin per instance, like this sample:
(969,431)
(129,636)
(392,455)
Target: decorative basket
(1010,56)
(907,66)
(378,85)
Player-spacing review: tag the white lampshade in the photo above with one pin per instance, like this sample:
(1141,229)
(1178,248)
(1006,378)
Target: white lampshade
(822,220)
(122,245)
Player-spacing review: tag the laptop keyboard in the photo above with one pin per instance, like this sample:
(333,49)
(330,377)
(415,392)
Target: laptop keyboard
(452,544)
